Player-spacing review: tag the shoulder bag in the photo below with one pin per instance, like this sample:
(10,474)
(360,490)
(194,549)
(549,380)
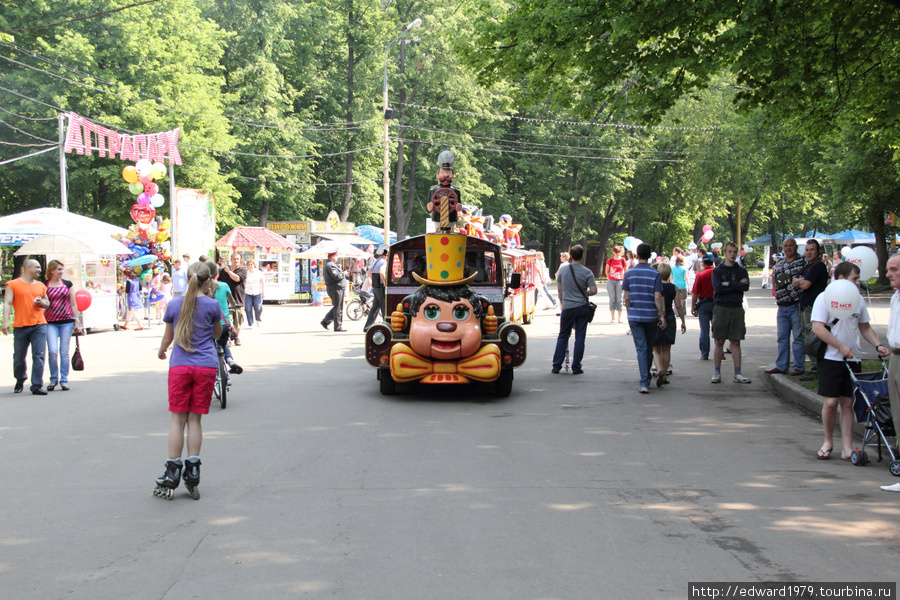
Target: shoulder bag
(77,361)
(591,305)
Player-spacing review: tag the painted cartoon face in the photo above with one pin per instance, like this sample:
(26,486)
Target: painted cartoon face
(445,330)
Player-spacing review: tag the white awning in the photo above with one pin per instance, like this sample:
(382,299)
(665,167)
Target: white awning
(349,238)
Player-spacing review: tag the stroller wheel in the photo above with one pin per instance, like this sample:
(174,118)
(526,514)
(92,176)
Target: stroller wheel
(856,458)
(863,458)
(895,468)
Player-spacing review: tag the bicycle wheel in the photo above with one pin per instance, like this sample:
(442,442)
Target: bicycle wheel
(355,310)
(222,381)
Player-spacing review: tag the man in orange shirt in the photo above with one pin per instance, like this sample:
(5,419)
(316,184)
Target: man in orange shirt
(29,298)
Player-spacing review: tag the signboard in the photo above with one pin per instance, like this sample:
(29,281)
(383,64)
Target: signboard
(194,223)
(83,136)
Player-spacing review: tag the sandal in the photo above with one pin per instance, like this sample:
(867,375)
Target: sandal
(824,453)
(50,387)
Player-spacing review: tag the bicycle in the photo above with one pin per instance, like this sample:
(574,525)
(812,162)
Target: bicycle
(220,389)
(358,308)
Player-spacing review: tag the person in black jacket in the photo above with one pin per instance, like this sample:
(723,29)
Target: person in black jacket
(334,285)
(730,280)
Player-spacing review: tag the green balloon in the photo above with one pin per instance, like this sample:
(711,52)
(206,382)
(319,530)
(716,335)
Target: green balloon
(135,188)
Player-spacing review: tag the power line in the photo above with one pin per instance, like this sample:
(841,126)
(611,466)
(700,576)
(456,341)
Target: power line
(13,127)
(85,18)
(233,119)
(3,162)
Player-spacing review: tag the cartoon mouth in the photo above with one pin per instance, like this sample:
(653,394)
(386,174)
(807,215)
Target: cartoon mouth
(444,346)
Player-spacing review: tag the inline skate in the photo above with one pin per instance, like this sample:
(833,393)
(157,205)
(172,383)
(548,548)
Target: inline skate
(168,481)
(192,477)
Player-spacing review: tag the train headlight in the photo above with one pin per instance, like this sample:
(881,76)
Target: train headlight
(512,338)
(378,338)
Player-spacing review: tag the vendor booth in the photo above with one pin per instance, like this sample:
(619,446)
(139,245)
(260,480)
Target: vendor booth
(90,264)
(316,255)
(272,253)
(308,233)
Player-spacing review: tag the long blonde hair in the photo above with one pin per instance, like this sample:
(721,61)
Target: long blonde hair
(198,279)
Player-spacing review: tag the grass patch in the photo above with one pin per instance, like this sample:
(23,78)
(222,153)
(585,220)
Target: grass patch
(868,366)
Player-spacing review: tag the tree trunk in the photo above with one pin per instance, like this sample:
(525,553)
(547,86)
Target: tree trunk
(348,162)
(876,222)
(264,213)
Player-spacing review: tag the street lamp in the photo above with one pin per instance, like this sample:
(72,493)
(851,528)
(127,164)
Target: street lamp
(388,115)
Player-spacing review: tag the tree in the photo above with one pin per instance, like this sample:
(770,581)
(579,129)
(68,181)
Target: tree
(807,63)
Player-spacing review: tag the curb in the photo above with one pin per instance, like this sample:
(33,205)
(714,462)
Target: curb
(789,391)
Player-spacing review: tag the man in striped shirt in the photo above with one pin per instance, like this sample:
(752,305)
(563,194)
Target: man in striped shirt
(642,289)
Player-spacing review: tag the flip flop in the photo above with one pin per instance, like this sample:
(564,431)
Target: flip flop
(824,454)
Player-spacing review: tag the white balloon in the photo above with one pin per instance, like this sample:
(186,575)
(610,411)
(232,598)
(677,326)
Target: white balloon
(708,235)
(866,259)
(157,200)
(634,244)
(841,298)
(845,251)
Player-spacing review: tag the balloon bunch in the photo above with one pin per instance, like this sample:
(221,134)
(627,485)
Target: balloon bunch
(707,233)
(141,182)
(631,243)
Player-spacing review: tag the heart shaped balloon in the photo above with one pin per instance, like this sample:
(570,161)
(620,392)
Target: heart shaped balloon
(143,213)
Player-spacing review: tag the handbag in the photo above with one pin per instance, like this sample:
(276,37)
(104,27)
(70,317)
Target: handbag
(77,361)
(591,305)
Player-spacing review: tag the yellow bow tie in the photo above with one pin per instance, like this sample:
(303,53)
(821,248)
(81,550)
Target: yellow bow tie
(408,365)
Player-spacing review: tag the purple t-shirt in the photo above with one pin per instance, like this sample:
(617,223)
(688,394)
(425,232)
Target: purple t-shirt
(206,314)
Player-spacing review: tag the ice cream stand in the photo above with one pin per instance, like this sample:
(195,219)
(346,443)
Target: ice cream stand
(90,264)
(272,253)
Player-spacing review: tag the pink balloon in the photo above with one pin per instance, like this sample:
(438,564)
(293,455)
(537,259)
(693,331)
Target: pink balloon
(143,198)
(145,179)
(707,228)
(151,188)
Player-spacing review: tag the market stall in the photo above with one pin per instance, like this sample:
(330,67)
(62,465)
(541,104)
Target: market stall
(90,264)
(273,254)
(317,254)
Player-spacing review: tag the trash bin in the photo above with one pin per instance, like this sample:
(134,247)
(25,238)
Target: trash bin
(318,298)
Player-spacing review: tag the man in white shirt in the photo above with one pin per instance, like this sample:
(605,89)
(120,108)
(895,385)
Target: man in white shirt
(378,272)
(893,338)
(835,385)
(179,278)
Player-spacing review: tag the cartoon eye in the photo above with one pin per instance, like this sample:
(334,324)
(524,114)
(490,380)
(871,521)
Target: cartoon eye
(432,312)
(460,312)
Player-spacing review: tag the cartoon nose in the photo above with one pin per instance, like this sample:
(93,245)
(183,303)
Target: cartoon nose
(446,327)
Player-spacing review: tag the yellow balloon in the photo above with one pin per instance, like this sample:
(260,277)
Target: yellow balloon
(130,174)
(162,236)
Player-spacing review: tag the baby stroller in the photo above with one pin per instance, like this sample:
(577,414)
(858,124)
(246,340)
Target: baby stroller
(872,407)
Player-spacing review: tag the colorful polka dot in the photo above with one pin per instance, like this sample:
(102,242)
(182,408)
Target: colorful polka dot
(445,257)
(445,274)
(445,240)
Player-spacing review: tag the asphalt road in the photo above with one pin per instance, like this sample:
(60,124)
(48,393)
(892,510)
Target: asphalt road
(316,486)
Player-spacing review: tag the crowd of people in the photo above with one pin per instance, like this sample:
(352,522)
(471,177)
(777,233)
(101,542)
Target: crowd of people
(654,297)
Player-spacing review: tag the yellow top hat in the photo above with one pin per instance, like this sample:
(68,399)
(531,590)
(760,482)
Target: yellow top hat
(446,256)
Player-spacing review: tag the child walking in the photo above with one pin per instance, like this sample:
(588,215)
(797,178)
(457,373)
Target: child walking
(193,323)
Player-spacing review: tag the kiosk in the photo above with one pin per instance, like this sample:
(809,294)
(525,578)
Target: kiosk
(272,253)
(90,265)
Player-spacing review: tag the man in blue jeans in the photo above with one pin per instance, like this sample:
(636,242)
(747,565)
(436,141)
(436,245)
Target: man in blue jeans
(702,303)
(787,297)
(642,288)
(574,283)
(28,297)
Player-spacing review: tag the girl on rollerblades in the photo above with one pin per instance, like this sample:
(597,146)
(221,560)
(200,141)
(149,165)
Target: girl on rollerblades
(193,324)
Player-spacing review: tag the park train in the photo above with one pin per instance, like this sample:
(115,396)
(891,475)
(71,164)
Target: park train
(506,278)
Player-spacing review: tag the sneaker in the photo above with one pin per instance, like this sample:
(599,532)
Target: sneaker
(716,378)
(235,368)
(577,371)
(644,390)
(653,371)
(807,377)
(741,379)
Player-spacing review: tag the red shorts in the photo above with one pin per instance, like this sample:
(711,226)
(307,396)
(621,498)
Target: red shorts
(191,389)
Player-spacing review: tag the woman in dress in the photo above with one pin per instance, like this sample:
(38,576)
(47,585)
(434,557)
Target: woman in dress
(133,300)
(665,338)
(62,320)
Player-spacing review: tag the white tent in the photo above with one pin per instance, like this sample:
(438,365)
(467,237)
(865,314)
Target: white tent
(23,227)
